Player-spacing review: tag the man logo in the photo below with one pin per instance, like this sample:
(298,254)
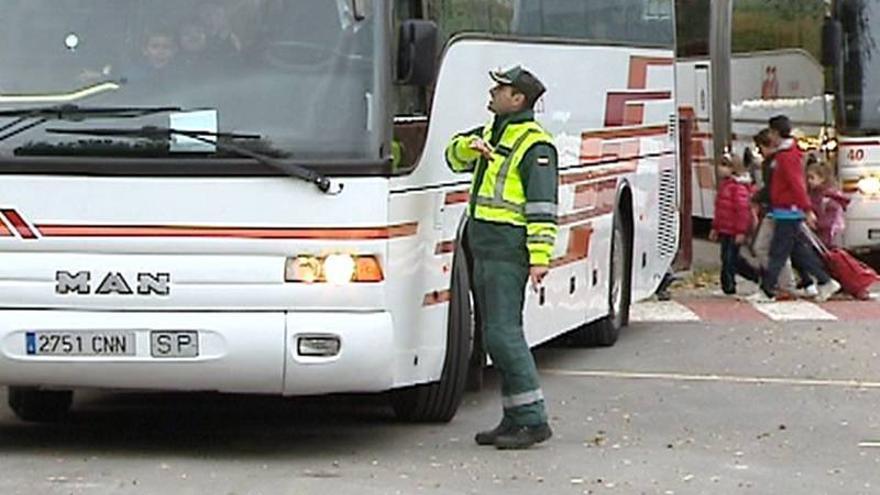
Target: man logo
(158,284)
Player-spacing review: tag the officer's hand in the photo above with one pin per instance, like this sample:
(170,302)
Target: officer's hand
(483,147)
(537,274)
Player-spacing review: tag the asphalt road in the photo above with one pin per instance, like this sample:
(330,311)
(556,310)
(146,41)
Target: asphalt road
(674,408)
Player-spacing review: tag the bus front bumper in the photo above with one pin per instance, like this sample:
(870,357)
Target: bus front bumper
(862,230)
(253,352)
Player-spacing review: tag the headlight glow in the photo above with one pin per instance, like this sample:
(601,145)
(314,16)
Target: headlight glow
(869,186)
(339,268)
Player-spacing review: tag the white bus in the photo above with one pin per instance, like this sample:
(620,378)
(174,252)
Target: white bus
(251,196)
(850,46)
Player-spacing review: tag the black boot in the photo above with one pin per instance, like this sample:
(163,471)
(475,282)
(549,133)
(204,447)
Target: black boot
(523,437)
(488,437)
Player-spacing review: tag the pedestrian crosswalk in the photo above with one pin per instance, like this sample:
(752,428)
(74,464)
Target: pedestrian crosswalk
(716,309)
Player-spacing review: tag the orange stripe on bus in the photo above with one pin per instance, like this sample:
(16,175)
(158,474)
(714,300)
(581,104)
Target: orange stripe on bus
(631,132)
(358,233)
(4,230)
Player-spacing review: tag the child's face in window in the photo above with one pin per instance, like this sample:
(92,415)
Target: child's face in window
(160,50)
(814,180)
(193,38)
(725,171)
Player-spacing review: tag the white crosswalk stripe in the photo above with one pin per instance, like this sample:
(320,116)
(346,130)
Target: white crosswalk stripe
(793,311)
(667,311)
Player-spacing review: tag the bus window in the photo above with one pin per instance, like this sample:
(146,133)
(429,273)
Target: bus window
(455,16)
(410,102)
(692,30)
(618,21)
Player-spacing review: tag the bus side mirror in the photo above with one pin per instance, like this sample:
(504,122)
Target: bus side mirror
(417,52)
(832,42)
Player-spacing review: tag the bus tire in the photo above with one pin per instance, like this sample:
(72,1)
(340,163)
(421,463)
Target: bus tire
(438,401)
(39,406)
(604,332)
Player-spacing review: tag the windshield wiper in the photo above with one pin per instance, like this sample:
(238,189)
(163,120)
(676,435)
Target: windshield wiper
(30,117)
(165,134)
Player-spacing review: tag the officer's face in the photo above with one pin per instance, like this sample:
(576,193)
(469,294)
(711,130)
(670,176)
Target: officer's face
(505,99)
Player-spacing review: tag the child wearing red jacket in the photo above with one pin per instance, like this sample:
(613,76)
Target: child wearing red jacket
(791,207)
(733,220)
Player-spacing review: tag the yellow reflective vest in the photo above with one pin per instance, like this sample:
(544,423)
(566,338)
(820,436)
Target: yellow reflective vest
(499,193)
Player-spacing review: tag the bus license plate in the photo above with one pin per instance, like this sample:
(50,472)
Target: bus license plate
(85,343)
(174,344)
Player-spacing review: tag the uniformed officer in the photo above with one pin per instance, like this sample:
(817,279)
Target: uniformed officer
(511,230)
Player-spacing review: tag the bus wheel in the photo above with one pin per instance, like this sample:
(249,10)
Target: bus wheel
(604,332)
(438,401)
(39,406)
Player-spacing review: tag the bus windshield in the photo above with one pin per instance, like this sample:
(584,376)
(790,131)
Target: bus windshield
(860,108)
(299,73)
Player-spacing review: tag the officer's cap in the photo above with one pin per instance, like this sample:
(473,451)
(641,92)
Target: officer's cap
(522,80)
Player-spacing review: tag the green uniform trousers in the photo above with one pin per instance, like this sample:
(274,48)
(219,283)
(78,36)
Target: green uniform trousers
(499,290)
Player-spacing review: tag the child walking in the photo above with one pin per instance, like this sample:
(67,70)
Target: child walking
(733,220)
(828,203)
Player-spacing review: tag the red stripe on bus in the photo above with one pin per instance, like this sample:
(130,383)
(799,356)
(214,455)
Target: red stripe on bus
(578,250)
(859,143)
(19,224)
(616,105)
(594,194)
(457,197)
(578,246)
(358,233)
(638,69)
(436,297)
(596,174)
(444,247)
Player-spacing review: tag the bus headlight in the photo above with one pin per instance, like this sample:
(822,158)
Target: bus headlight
(869,186)
(338,268)
(306,269)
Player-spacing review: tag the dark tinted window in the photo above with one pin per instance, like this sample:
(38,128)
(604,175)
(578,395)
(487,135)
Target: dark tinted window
(617,21)
(692,28)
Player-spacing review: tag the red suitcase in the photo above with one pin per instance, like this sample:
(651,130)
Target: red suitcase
(854,276)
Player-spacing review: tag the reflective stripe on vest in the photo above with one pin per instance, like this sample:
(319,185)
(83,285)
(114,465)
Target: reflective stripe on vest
(501,197)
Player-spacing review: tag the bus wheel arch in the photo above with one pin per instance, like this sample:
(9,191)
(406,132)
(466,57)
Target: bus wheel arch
(438,401)
(605,331)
